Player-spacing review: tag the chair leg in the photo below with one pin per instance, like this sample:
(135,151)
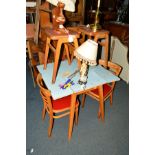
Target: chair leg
(83,100)
(34,84)
(76,116)
(99,113)
(50,126)
(111,98)
(43,113)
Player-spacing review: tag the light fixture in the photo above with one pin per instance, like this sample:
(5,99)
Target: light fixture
(96,25)
(86,53)
(58,19)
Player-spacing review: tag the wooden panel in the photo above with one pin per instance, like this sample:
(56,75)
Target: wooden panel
(119,30)
(78,15)
(118,55)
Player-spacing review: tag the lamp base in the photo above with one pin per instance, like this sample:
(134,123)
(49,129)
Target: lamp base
(83,73)
(62,29)
(95,27)
(82,81)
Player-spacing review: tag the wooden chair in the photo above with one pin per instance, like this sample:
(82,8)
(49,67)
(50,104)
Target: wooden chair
(107,88)
(35,57)
(60,107)
(35,51)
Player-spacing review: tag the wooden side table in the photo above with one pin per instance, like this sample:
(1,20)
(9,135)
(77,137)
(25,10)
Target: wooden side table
(61,38)
(100,34)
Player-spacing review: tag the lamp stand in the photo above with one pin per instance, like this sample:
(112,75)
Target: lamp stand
(96,26)
(83,73)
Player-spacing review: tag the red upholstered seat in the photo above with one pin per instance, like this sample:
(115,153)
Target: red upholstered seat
(106,90)
(62,103)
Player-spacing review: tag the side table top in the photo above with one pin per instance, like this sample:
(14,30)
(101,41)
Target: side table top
(55,34)
(90,32)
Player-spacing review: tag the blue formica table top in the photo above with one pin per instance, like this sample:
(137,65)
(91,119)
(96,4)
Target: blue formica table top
(97,75)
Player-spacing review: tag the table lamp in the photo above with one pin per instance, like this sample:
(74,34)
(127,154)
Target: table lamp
(58,17)
(86,53)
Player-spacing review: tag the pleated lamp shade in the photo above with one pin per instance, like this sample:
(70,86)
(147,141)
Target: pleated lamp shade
(87,52)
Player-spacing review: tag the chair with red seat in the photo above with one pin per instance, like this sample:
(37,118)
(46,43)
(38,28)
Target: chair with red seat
(60,107)
(107,88)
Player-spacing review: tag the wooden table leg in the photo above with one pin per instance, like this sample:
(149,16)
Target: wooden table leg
(106,45)
(106,49)
(82,40)
(76,46)
(89,37)
(71,117)
(100,89)
(67,53)
(56,60)
(46,52)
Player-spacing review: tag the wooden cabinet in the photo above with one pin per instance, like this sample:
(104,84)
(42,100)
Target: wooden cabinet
(119,30)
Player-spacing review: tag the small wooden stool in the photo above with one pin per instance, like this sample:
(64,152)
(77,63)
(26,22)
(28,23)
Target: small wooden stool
(99,34)
(61,38)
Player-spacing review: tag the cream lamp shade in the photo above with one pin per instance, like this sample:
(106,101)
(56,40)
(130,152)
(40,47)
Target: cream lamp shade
(69,4)
(87,52)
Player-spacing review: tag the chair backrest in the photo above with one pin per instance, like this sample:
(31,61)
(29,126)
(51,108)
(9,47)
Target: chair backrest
(30,31)
(113,67)
(45,94)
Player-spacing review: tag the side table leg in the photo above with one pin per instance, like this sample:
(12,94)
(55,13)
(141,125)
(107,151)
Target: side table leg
(56,60)
(106,49)
(46,52)
(76,46)
(67,53)
(106,45)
